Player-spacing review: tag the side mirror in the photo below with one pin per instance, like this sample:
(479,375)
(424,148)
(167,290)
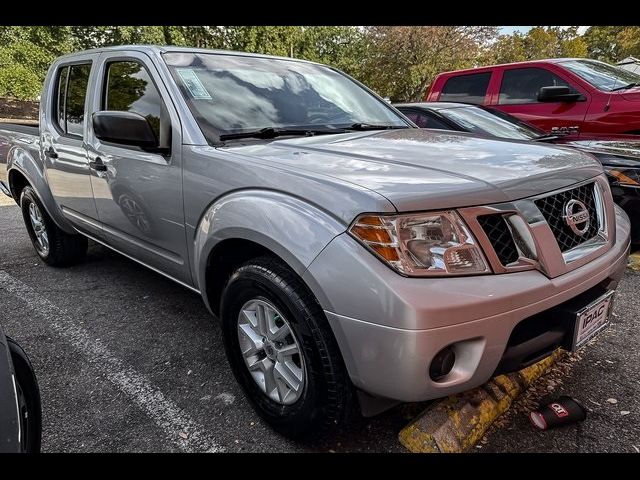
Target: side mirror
(558,94)
(126,128)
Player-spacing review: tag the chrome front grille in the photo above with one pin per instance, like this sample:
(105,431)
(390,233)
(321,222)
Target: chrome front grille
(542,233)
(553,206)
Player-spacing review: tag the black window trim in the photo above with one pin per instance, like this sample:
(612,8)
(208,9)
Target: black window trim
(103,97)
(53,110)
(486,92)
(553,72)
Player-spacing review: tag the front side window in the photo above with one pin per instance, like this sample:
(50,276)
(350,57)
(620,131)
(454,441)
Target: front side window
(602,75)
(129,88)
(71,94)
(231,94)
(522,85)
(470,88)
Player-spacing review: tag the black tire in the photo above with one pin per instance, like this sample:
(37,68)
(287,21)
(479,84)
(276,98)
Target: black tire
(327,396)
(64,249)
(28,399)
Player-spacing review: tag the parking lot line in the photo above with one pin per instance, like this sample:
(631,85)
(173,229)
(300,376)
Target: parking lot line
(179,428)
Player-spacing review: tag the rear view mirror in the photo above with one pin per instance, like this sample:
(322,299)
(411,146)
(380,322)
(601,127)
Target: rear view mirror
(558,94)
(126,128)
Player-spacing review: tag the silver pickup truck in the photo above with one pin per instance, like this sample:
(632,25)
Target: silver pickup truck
(349,255)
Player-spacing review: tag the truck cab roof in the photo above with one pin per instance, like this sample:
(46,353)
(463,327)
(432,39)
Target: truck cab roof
(160,49)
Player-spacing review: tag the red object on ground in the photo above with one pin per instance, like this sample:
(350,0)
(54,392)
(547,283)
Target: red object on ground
(607,103)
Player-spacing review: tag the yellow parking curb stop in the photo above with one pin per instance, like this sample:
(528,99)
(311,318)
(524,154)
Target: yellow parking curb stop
(457,423)
(634,262)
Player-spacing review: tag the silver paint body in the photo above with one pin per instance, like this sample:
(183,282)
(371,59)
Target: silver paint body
(297,197)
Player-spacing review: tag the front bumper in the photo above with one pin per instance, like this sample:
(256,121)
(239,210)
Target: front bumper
(390,327)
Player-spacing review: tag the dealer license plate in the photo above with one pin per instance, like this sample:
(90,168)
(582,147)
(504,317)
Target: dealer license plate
(592,319)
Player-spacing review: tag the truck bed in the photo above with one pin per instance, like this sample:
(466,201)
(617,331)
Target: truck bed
(26,136)
(28,128)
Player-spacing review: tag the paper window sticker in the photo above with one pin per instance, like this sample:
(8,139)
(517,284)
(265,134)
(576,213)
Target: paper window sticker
(193,84)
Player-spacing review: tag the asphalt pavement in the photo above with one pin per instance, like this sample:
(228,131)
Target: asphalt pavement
(128,361)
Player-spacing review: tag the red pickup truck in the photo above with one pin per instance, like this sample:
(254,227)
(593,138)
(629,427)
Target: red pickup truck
(586,98)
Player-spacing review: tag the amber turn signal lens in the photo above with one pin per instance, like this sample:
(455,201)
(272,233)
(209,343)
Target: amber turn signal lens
(623,179)
(390,254)
(372,231)
(378,235)
(372,220)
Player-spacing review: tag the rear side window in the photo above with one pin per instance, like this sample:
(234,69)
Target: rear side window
(63,74)
(129,88)
(424,120)
(470,88)
(71,95)
(522,85)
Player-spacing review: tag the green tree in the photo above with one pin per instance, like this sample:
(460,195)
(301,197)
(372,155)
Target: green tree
(272,40)
(25,56)
(340,47)
(536,44)
(629,42)
(400,62)
(602,42)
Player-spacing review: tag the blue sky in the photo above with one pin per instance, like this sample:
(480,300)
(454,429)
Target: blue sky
(508,30)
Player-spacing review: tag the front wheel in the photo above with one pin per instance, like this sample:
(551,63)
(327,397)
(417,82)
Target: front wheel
(53,245)
(282,351)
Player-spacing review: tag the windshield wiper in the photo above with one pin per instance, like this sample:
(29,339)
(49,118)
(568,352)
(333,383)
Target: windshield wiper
(369,126)
(545,138)
(626,87)
(271,132)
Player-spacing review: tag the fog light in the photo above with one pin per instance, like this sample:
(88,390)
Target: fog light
(442,363)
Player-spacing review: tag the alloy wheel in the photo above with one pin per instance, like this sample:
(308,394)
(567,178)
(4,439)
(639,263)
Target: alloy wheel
(271,351)
(39,228)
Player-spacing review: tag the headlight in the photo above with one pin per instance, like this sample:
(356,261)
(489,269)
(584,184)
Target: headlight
(624,176)
(421,244)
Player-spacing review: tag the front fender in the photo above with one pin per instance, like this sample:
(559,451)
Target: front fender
(291,228)
(23,161)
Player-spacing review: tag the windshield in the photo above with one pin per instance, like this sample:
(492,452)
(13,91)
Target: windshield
(491,122)
(601,75)
(231,94)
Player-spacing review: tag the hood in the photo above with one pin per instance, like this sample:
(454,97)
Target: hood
(608,151)
(418,169)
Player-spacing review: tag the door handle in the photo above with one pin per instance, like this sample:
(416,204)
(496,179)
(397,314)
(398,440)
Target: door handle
(51,153)
(97,165)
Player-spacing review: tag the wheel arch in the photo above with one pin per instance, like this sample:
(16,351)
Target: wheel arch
(253,223)
(22,172)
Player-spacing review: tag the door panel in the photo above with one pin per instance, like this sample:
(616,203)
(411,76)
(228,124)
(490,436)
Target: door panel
(65,156)
(139,193)
(518,93)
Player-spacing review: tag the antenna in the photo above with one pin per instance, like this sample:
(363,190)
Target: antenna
(608,105)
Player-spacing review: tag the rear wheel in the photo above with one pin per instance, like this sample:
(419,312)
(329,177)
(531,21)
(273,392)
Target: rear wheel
(282,350)
(53,245)
(29,406)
